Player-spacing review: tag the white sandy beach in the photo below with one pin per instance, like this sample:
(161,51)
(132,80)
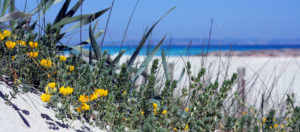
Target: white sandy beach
(280,75)
(30,114)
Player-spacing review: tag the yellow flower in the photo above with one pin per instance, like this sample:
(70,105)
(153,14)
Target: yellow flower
(164,112)
(62,58)
(33,54)
(10,45)
(45,97)
(124,93)
(85,106)
(142,113)
(281,126)
(274,119)
(66,91)
(50,90)
(186,127)
(94,96)
(71,68)
(175,129)
(13,57)
(83,98)
(52,84)
(46,63)
(271,127)
(154,111)
(20,42)
(33,45)
(276,125)
(6,33)
(264,120)
(78,109)
(154,105)
(186,109)
(101,92)
(48,75)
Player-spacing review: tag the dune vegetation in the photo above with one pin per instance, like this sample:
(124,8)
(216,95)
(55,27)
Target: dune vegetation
(89,86)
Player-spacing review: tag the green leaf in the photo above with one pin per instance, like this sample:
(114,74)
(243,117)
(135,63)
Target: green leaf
(181,75)
(4,7)
(85,52)
(97,35)
(117,59)
(147,60)
(62,12)
(165,65)
(86,19)
(14,16)
(90,55)
(74,8)
(145,37)
(44,6)
(95,47)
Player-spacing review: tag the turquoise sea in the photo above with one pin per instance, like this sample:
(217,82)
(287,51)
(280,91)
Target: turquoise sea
(182,50)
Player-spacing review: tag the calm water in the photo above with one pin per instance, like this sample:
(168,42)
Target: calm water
(194,50)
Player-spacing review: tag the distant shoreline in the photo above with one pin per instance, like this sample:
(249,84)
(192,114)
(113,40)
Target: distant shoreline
(257,53)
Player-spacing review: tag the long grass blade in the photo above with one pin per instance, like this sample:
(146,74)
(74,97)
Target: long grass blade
(117,59)
(62,13)
(5,7)
(86,19)
(74,8)
(145,37)
(94,45)
(13,16)
(165,65)
(147,60)
(181,75)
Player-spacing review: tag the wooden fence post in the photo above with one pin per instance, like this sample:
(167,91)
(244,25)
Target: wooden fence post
(171,70)
(241,88)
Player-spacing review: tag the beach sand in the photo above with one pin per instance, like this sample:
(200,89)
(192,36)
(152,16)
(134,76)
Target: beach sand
(280,75)
(29,114)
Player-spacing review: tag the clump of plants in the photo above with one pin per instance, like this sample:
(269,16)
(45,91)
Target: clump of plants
(102,92)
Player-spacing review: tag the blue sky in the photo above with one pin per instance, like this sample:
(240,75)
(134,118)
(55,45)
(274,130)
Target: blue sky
(238,19)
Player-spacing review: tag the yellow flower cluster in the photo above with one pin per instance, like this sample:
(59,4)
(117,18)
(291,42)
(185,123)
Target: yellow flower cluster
(84,106)
(164,112)
(33,54)
(46,63)
(66,91)
(51,88)
(13,57)
(10,44)
(84,98)
(186,127)
(101,92)
(45,97)
(264,120)
(5,34)
(20,42)
(155,108)
(98,93)
(71,68)
(62,58)
(33,45)
(186,109)
(93,96)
